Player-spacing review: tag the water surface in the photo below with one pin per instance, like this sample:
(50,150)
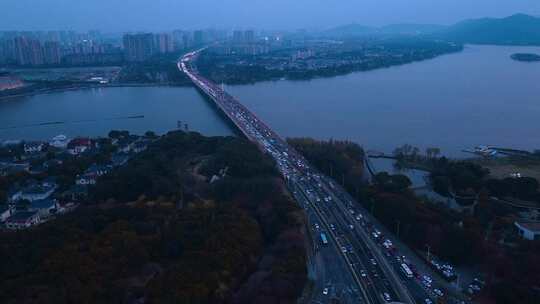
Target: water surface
(477,97)
(94,112)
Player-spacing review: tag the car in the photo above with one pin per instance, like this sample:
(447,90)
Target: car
(438,292)
(428,301)
(373,262)
(386,297)
(317,226)
(363,273)
(351,227)
(325,291)
(343,249)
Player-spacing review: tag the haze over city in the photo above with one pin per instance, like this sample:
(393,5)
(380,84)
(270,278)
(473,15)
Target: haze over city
(276,151)
(132,15)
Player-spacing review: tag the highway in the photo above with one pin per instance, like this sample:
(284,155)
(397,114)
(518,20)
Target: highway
(356,265)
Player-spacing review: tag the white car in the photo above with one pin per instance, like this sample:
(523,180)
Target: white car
(386,297)
(325,291)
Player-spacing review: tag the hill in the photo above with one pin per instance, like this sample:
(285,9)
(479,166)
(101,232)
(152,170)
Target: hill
(355,30)
(517,29)
(186,221)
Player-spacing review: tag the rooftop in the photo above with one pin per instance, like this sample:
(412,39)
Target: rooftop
(22,216)
(533,226)
(43,204)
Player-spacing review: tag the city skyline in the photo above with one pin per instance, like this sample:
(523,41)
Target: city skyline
(280,14)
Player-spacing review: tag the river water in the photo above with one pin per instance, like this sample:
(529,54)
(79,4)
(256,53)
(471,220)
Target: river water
(94,112)
(477,97)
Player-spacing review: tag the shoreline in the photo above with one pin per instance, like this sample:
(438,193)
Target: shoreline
(76,88)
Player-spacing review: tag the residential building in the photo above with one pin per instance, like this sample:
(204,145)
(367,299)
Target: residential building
(119,159)
(164,43)
(79,145)
(529,230)
(59,141)
(5,213)
(249,36)
(98,170)
(37,192)
(86,179)
(52,53)
(198,37)
(34,147)
(238,37)
(45,208)
(139,147)
(23,220)
(138,47)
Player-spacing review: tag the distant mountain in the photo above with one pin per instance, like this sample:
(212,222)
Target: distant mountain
(351,30)
(411,29)
(518,29)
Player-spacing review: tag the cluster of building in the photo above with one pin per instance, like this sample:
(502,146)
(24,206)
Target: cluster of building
(39,197)
(56,48)
(248,43)
(141,46)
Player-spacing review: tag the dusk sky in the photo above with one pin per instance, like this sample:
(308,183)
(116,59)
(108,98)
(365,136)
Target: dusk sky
(126,15)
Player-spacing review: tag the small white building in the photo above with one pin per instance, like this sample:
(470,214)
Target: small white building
(59,141)
(529,230)
(5,213)
(23,220)
(86,179)
(45,208)
(37,192)
(34,147)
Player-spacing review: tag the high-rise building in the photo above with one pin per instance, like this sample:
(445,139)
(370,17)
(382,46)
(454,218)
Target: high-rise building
(238,37)
(198,37)
(52,54)
(138,47)
(186,40)
(164,43)
(28,51)
(249,36)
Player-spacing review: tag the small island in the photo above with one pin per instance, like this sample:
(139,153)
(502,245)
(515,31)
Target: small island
(526,57)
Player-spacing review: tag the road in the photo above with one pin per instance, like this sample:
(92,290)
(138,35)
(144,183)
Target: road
(354,266)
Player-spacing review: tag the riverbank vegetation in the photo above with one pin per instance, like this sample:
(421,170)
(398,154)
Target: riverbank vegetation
(158,70)
(342,160)
(193,219)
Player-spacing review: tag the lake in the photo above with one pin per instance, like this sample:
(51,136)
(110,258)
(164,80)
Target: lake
(94,112)
(477,97)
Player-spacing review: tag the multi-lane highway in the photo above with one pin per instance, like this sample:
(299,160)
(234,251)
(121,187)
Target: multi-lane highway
(353,262)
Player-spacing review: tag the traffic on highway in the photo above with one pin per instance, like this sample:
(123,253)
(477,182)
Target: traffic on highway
(366,266)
